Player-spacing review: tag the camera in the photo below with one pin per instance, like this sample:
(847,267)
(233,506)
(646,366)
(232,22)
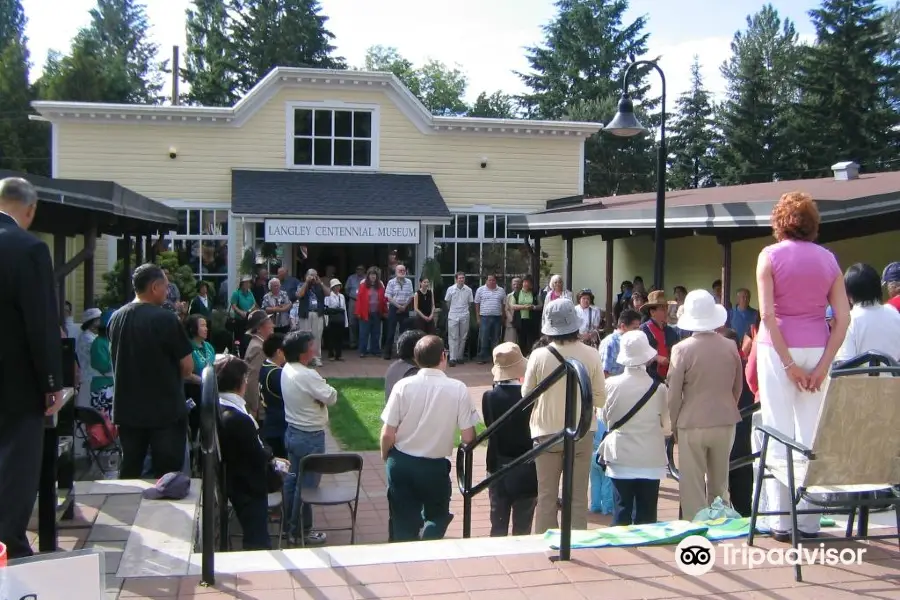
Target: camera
(694,555)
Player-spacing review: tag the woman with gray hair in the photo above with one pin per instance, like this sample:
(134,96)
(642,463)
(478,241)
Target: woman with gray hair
(555,290)
(278,306)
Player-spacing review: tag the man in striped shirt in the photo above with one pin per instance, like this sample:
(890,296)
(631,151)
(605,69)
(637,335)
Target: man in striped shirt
(489,301)
(399,293)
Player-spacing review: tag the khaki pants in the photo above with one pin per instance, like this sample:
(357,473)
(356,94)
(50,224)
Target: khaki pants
(313,324)
(457,332)
(549,467)
(704,455)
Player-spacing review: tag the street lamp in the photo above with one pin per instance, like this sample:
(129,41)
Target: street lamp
(626,124)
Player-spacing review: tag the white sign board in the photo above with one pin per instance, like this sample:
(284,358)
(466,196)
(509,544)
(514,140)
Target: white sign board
(60,576)
(313,231)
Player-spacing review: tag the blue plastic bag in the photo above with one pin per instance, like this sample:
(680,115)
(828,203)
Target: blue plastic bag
(601,486)
(717,510)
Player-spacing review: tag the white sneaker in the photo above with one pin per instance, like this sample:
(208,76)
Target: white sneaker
(317,362)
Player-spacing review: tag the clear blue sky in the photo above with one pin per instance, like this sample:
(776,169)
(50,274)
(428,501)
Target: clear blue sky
(484,37)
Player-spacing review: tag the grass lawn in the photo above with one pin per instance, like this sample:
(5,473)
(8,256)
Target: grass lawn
(355,420)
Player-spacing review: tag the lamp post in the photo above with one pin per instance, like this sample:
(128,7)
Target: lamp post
(625,124)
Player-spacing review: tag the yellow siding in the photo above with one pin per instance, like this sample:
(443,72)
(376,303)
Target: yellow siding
(74,284)
(522,172)
(695,262)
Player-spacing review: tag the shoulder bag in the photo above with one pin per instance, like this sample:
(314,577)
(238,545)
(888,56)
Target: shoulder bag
(618,424)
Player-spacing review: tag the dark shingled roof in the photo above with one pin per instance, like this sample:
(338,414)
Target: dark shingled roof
(335,194)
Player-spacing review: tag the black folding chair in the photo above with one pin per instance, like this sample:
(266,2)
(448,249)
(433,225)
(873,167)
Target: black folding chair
(331,464)
(86,417)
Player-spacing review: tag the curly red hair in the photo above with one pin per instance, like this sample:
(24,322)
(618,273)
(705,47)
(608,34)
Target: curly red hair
(796,217)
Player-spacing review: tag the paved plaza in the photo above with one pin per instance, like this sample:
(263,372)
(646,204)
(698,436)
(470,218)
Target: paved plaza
(453,569)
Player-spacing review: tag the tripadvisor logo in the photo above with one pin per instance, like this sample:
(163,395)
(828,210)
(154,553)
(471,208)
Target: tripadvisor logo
(695,555)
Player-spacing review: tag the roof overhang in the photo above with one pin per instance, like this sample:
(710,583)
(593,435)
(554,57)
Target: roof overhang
(281,77)
(73,206)
(584,219)
(337,195)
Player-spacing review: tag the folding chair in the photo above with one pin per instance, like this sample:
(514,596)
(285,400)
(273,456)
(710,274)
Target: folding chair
(86,417)
(855,451)
(331,464)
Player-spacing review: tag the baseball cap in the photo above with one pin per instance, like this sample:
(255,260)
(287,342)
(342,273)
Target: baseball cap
(891,273)
(171,486)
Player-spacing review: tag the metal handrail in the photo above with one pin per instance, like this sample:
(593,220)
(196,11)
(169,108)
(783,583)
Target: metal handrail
(211,472)
(577,381)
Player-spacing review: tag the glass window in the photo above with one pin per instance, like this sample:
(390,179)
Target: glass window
(468,257)
(194,222)
(332,138)
(201,242)
(461,245)
(445,255)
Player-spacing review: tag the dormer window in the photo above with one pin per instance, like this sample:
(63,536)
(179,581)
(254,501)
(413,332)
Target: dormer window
(333,138)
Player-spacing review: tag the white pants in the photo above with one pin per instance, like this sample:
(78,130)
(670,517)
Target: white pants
(792,412)
(457,333)
(756,439)
(313,324)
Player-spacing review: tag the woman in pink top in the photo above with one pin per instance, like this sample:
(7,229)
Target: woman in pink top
(797,279)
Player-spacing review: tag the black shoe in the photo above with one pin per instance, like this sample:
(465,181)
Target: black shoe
(386,357)
(452,363)
(784,537)
(482,362)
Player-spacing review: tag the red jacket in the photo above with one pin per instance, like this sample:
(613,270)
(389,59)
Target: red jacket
(362,301)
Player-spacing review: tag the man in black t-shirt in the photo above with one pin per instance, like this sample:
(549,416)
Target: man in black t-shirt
(151,357)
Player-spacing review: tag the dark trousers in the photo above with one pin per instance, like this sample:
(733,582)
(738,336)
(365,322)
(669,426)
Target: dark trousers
(166,444)
(21,449)
(277,445)
(502,505)
(489,335)
(527,334)
(253,515)
(428,327)
(740,489)
(395,320)
(418,495)
(635,501)
(283,330)
(334,339)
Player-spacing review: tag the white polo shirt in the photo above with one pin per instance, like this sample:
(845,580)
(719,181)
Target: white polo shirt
(307,397)
(427,409)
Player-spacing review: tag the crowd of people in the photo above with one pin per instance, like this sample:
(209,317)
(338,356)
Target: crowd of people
(683,369)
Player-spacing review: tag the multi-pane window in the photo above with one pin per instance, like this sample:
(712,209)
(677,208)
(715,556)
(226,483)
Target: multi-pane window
(332,138)
(201,242)
(478,245)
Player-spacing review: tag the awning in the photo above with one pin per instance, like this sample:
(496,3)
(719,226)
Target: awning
(71,206)
(337,195)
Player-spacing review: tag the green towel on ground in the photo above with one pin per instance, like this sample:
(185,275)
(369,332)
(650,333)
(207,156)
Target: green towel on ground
(655,534)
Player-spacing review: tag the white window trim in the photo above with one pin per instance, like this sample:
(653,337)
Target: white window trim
(481,240)
(290,107)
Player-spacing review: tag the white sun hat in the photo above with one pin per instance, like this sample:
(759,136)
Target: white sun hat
(701,313)
(635,349)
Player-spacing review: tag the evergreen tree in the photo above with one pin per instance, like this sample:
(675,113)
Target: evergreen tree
(439,87)
(280,33)
(496,106)
(846,86)
(210,68)
(577,73)
(892,58)
(756,142)
(111,60)
(24,144)
(691,143)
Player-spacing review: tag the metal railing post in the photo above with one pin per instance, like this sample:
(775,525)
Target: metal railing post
(467,496)
(209,406)
(568,471)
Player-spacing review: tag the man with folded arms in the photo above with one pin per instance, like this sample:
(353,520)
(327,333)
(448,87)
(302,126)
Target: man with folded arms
(421,418)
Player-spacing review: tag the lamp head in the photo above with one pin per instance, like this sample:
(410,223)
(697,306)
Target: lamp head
(625,123)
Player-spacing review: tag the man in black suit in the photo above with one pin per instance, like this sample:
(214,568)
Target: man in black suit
(30,360)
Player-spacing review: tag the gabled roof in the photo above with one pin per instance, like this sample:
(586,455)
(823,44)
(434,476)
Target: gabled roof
(281,77)
(335,194)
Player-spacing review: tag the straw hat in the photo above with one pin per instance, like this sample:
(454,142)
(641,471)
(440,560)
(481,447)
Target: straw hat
(635,349)
(701,313)
(256,319)
(560,318)
(509,364)
(334,283)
